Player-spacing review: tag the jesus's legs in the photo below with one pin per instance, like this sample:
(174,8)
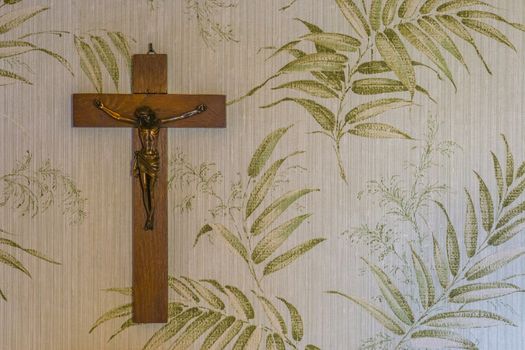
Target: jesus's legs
(147,184)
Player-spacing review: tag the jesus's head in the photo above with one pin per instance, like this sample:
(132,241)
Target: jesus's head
(146,117)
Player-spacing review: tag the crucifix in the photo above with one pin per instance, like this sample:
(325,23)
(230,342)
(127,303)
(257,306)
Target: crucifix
(149,110)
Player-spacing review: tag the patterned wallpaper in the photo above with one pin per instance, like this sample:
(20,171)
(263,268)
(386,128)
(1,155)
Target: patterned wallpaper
(367,194)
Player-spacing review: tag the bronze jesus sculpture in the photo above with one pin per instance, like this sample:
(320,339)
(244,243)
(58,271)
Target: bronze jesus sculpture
(146,165)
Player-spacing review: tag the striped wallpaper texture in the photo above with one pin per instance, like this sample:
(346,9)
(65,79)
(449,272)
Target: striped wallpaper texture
(366,194)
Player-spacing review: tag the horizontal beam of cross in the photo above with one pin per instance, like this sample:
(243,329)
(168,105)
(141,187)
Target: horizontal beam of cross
(85,114)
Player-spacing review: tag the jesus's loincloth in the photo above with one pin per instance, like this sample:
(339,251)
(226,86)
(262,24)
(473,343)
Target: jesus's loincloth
(146,164)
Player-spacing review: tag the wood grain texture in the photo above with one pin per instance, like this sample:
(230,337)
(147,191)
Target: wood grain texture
(150,248)
(150,74)
(85,114)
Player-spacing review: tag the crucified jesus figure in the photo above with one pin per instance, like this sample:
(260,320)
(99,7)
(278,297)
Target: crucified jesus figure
(147,161)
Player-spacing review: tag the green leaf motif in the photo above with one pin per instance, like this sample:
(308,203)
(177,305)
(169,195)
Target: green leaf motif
(427,292)
(196,329)
(471,227)
(229,335)
(488,15)
(32,252)
(378,67)
(311,27)
(334,41)
(471,293)
(333,80)
(270,342)
(215,284)
(429,6)
(213,300)
(127,324)
(276,238)
(120,311)
(509,169)
(120,41)
(210,325)
(217,332)
(310,87)
(107,58)
(11,261)
(57,57)
(242,302)
(486,205)
(376,313)
(354,16)
(274,316)
(274,210)
(264,185)
(182,289)
(373,67)
(393,295)
(424,44)
(467,319)
(441,265)
(453,252)
(374,108)
(460,4)
(375,14)
(234,241)
(296,320)
(521,170)
(15,18)
(435,31)
(14,48)
(389,11)
(506,233)
(284,48)
(488,31)
(89,63)
(514,194)
(511,215)
(278,342)
(249,339)
(377,86)
(122,291)
(264,151)
(316,62)
(492,263)
(12,76)
(498,174)
(379,131)
(311,347)
(441,339)
(459,30)
(290,256)
(397,58)
(408,8)
(322,115)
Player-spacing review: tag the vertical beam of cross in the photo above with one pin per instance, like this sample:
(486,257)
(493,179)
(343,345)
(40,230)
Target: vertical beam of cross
(150,248)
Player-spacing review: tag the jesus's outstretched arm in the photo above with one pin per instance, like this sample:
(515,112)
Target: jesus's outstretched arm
(198,110)
(112,113)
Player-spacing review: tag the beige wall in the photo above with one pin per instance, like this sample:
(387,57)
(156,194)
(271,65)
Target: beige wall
(56,308)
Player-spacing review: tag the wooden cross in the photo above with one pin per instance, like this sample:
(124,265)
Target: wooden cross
(150,245)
